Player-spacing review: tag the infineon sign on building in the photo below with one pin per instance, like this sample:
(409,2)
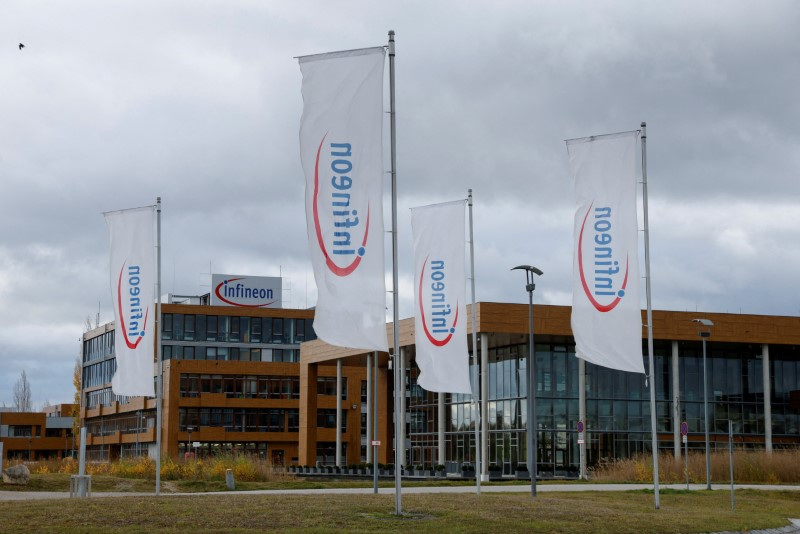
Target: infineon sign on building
(245,291)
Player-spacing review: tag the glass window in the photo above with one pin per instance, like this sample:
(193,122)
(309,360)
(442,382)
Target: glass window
(211,328)
(166,328)
(188,328)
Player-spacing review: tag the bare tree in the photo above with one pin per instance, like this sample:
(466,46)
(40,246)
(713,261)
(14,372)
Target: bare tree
(77,378)
(22,394)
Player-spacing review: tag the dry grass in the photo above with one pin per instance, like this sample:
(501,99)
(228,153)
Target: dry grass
(749,467)
(245,468)
(597,512)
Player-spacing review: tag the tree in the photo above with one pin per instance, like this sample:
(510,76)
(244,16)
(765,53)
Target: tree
(22,394)
(76,400)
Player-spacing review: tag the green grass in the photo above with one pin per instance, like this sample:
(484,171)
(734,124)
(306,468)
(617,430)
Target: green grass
(618,512)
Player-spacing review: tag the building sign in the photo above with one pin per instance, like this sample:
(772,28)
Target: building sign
(245,291)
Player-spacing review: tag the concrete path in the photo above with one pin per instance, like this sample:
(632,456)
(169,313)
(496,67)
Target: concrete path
(517,488)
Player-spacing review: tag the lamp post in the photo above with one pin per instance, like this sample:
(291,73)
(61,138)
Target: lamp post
(704,331)
(531,440)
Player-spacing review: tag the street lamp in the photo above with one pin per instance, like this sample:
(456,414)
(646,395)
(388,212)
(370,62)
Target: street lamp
(531,440)
(704,331)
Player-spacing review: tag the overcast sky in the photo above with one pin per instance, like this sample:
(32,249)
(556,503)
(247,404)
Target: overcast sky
(111,104)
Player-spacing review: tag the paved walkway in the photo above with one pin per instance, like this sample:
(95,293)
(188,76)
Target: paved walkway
(516,488)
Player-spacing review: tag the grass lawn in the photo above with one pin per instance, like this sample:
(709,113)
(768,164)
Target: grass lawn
(697,511)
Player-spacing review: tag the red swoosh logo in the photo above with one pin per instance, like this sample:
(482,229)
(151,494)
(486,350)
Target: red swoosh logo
(335,269)
(432,339)
(130,345)
(223,299)
(600,307)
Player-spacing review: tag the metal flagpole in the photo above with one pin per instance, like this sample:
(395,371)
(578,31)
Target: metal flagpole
(159,382)
(651,366)
(398,462)
(375,391)
(476,396)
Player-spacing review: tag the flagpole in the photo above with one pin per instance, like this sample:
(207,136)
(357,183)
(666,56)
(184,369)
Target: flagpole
(651,367)
(159,385)
(476,396)
(398,462)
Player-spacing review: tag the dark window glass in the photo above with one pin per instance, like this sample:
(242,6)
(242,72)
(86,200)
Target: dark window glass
(266,330)
(166,328)
(200,328)
(211,327)
(188,328)
(255,330)
(234,335)
(277,330)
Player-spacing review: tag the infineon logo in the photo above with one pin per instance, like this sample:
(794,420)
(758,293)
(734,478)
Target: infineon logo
(342,253)
(600,270)
(245,291)
(432,297)
(129,302)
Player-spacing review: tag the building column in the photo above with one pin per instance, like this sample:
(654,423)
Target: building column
(441,420)
(767,398)
(582,417)
(401,433)
(485,404)
(369,409)
(307,446)
(339,413)
(676,402)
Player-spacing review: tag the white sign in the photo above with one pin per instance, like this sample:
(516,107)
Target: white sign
(376,443)
(685,438)
(196,444)
(606,313)
(341,150)
(580,442)
(245,291)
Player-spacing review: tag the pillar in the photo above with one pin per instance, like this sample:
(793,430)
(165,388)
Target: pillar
(338,413)
(485,404)
(767,398)
(676,402)
(441,419)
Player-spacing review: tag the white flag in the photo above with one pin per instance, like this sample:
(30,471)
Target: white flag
(440,332)
(132,267)
(341,150)
(606,315)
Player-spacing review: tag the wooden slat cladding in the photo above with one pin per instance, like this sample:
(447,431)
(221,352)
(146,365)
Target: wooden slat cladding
(505,318)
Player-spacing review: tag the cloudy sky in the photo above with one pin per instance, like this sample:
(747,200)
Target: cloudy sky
(111,104)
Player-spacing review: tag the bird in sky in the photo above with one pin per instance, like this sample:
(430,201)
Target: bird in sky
(21,46)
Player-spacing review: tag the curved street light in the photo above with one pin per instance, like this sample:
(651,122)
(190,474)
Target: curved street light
(531,441)
(704,331)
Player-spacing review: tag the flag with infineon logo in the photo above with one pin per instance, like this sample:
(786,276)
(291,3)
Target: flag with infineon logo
(132,269)
(440,331)
(341,150)
(606,314)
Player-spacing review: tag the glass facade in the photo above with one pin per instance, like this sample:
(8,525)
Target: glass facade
(617,404)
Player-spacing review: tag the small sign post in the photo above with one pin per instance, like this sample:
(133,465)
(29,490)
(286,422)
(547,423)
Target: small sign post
(684,436)
(581,441)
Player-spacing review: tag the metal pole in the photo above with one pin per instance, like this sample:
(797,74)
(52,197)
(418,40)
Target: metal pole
(398,500)
(582,416)
(160,381)
(476,386)
(369,410)
(533,428)
(653,428)
(375,424)
(686,454)
(730,449)
(705,417)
